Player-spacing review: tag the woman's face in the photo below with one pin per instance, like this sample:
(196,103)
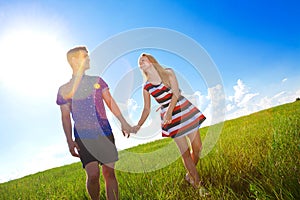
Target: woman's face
(144,63)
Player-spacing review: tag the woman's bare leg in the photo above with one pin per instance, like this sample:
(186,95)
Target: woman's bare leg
(187,158)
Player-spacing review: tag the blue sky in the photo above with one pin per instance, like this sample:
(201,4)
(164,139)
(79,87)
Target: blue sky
(255,46)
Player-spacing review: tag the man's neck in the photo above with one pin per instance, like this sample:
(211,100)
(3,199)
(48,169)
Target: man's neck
(78,73)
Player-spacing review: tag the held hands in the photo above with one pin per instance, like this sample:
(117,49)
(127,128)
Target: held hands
(136,128)
(127,129)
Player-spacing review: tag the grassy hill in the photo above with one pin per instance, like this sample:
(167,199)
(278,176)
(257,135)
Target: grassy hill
(256,157)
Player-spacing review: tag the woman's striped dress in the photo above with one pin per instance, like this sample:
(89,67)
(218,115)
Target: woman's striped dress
(186,118)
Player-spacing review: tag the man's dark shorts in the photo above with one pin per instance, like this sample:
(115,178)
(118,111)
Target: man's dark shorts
(102,150)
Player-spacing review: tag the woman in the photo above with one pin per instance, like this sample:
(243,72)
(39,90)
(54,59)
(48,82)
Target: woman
(180,119)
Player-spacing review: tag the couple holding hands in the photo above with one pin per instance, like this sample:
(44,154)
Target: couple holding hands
(83,98)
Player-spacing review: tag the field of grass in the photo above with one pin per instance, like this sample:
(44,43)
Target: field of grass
(256,157)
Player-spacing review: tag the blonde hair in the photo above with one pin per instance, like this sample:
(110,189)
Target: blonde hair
(74,52)
(161,70)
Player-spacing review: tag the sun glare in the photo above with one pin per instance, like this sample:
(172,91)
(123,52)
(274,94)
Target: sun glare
(32,62)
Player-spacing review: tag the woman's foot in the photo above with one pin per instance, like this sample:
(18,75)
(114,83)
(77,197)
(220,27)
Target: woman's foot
(202,190)
(189,179)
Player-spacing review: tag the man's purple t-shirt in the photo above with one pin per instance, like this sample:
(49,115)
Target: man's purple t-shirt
(87,106)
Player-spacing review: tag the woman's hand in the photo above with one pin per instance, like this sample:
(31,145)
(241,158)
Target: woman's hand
(136,128)
(167,118)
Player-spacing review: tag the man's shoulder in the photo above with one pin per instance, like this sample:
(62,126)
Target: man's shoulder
(96,79)
(65,87)
(93,77)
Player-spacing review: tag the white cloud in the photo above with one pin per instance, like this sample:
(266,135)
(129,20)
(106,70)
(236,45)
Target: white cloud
(198,99)
(278,99)
(245,102)
(298,94)
(132,107)
(279,94)
(284,80)
(241,94)
(241,103)
(211,105)
(229,107)
(240,90)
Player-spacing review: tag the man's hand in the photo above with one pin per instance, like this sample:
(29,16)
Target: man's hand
(126,129)
(73,148)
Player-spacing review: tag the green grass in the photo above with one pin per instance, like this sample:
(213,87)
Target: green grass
(256,157)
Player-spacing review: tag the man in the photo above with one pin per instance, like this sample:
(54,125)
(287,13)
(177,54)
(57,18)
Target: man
(94,144)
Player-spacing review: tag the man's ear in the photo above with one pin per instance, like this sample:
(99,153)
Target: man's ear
(73,59)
